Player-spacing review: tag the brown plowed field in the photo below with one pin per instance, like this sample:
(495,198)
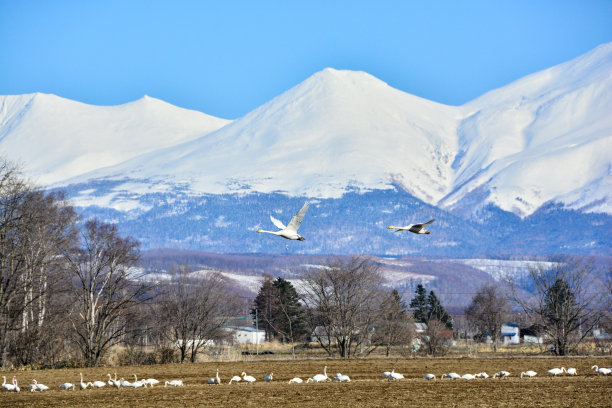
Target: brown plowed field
(367,388)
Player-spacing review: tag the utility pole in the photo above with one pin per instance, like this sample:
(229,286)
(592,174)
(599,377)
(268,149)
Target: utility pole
(257,331)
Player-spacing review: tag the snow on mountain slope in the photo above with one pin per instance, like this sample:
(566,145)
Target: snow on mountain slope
(544,137)
(335,129)
(56,138)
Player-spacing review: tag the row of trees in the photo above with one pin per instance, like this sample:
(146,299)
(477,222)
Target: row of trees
(59,279)
(345,308)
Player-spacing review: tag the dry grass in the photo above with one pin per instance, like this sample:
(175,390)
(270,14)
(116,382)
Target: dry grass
(367,389)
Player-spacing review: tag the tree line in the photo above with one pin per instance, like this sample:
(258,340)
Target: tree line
(71,289)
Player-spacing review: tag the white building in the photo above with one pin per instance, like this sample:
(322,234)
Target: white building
(247,335)
(510,333)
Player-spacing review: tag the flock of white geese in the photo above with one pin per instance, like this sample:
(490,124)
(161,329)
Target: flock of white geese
(249,379)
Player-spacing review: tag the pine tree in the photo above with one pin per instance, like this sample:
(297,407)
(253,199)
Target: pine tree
(266,303)
(419,305)
(290,317)
(437,311)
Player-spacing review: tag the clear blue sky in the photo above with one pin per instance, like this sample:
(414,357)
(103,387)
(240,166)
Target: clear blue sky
(226,58)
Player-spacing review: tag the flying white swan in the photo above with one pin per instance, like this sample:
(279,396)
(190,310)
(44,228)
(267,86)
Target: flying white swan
(393,376)
(68,386)
(416,228)
(602,370)
(319,377)
(571,371)
(290,231)
(215,379)
(296,380)
(556,371)
(529,374)
(174,383)
(268,378)
(235,378)
(248,378)
(429,376)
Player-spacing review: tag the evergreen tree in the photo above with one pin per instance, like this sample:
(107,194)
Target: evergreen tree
(437,311)
(266,303)
(424,308)
(289,314)
(419,305)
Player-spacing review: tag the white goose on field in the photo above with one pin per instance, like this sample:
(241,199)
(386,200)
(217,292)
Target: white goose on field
(68,386)
(529,374)
(415,228)
(174,383)
(215,379)
(296,380)
(429,376)
(82,384)
(501,374)
(482,375)
(393,376)
(138,383)
(126,384)
(98,384)
(386,374)
(468,376)
(319,377)
(269,377)
(341,378)
(248,378)
(571,371)
(602,370)
(110,381)
(452,376)
(35,386)
(16,384)
(235,378)
(289,231)
(8,387)
(556,371)
(151,382)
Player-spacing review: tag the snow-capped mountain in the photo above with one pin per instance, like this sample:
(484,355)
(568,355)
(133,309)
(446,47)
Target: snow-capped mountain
(544,138)
(55,139)
(523,153)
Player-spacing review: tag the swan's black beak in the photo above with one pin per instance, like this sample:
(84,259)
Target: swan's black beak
(301,238)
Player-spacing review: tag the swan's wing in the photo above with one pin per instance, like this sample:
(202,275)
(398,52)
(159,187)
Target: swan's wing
(297,219)
(278,223)
(429,222)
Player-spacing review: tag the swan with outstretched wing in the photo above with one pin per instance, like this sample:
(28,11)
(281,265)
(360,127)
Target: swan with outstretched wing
(289,231)
(416,228)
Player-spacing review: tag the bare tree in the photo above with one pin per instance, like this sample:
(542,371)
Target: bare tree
(559,296)
(343,301)
(106,286)
(395,325)
(194,309)
(35,230)
(437,337)
(488,311)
